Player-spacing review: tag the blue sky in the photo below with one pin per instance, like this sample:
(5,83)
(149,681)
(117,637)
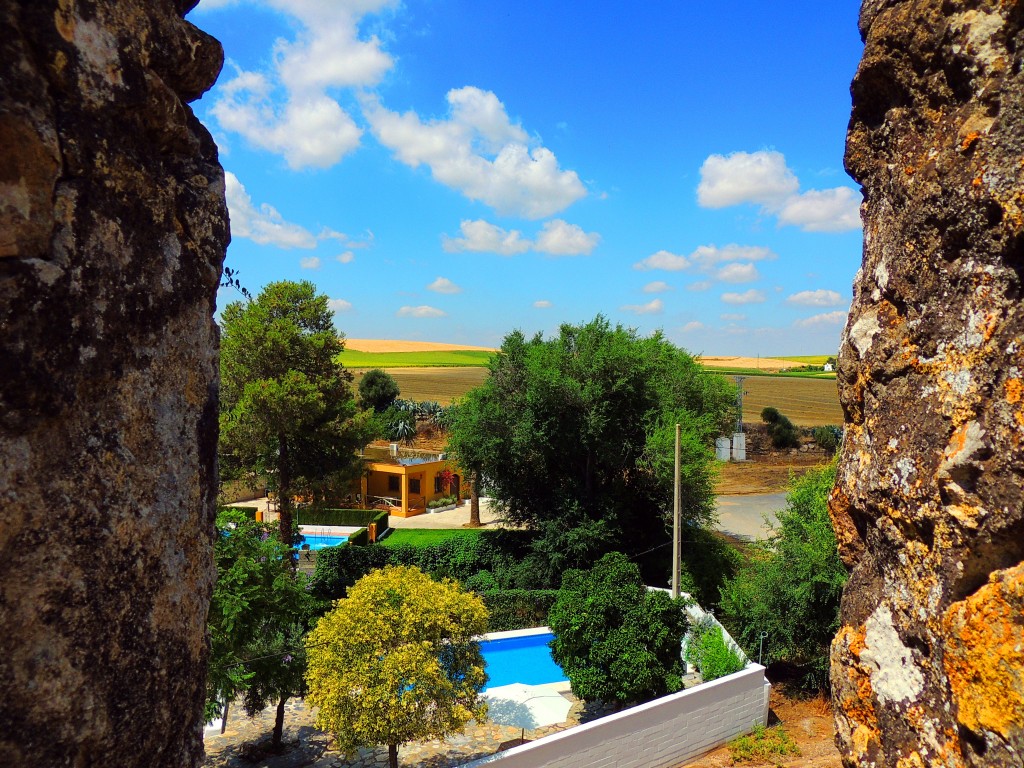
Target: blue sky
(451,170)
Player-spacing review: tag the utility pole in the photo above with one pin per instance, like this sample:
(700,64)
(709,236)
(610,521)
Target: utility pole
(676,522)
(739,402)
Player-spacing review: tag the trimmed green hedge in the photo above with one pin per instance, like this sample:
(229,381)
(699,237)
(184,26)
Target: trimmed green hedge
(360,538)
(360,517)
(518,608)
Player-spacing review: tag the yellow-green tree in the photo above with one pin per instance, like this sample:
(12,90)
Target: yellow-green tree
(396,661)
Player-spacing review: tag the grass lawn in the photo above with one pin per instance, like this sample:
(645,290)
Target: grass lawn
(352,358)
(426,537)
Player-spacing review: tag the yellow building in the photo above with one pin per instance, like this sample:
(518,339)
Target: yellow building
(404,481)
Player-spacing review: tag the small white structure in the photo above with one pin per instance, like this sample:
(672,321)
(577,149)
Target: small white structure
(739,446)
(828,367)
(722,448)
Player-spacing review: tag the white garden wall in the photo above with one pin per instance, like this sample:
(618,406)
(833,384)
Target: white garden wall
(661,733)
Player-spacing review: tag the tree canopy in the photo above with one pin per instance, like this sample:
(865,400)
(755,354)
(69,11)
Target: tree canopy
(791,589)
(286,406)
(258,616)
(574,436)
(378,390)
(615,639)
(397,661)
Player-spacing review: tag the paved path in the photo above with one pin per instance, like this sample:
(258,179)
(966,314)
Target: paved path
(744,516)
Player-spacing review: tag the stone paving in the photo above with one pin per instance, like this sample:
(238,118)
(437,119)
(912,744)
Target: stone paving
(246,742)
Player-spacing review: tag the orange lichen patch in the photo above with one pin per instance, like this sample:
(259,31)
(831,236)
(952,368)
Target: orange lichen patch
(1014,389)
(863,739)
(909,170)
(913,760)
(969,139)
(984,660)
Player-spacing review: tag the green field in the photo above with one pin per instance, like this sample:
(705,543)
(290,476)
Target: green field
(773,374)
(352,358)
(427,537)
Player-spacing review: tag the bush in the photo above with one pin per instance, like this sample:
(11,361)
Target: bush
(360,538)
(517,608)
(249,512)
(616,641)
(443,501)
(763,744)
(780,429)
(378,390)
(338,568)
(828,437)
(708,651)
(791,589)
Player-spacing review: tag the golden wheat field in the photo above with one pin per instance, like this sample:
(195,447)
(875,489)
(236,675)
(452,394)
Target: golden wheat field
(807,402)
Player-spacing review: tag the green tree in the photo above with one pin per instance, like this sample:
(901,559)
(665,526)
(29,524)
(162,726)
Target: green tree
(286,405)
(572,436)
(396,661)
(780,429)
(257,619)
(791,589)
(378,390)
(616,640)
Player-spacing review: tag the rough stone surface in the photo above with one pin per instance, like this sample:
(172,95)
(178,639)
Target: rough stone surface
(927,667)
(113,228)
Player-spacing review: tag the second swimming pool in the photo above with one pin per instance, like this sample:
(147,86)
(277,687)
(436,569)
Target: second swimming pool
(525,659)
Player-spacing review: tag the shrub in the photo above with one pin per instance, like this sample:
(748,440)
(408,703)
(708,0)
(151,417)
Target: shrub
(780,429)
(517,608)
(249,512)
(360,517)
(763,744)
(708,651)
(828,437)
(442,501)
(616,641)
(338,568)
(791,589)
(378,390)
(359,538)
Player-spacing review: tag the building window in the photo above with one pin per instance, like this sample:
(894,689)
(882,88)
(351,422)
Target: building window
(438,482)
(394,484)
(414,486)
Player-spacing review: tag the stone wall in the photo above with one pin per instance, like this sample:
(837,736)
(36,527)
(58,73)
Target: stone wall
(928,666)
(113,228)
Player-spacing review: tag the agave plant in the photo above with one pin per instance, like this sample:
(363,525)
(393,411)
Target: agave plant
(404,431)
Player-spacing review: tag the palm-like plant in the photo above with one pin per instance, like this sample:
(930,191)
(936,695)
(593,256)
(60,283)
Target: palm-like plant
(404,431)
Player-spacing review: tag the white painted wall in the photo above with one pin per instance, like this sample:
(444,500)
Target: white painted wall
(659,734)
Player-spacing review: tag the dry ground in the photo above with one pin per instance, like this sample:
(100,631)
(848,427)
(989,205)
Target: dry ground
(807,721)
(764,474)
(757,363)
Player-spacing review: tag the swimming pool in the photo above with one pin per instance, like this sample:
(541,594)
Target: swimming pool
(522,659)
(320,542)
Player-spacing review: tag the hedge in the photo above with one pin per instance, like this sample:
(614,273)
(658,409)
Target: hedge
(518,608)
(360,517)
(359,538)
(338,568)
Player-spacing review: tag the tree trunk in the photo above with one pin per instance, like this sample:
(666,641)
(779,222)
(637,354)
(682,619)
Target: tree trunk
(284,501)
(474,501)
(279,723)
(224,718)
(393,755)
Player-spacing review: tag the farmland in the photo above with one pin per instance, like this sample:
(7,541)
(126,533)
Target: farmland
(355,359)
(807,402)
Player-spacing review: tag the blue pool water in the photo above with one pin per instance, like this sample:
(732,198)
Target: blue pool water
(319,542)
(520,660)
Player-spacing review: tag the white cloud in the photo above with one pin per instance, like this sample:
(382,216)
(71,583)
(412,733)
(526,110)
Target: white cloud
(421,311)
(658,286)
(289,110)
(543,304)
(653,307)
(310,262)
(827,318)
(747,297)
(738,273)
(480,236)
(764,179)
(818,298)
(338,306)
(670,262)
(704,257)
(560,238)
(478,151)
(827,210)
(263,225)
(757,177)
(734,317)
(444,285)
(700,285)
(346,257)
(694,325)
